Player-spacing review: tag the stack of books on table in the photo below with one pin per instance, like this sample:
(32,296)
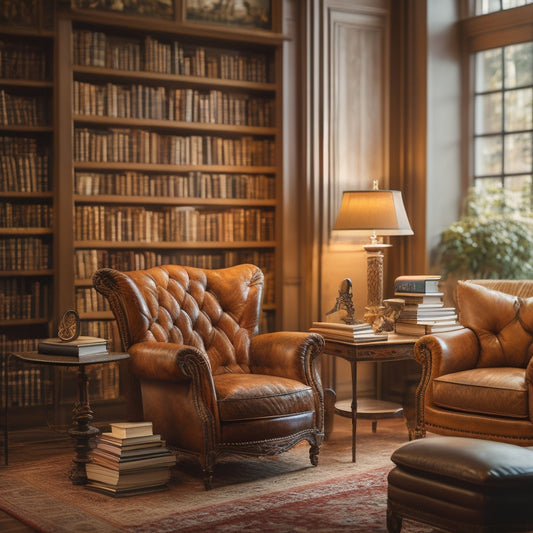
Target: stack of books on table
(129,460)
(80,347)
(355,333)
(424,312)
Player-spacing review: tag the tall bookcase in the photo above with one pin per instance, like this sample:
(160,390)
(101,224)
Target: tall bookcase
(166,148)
(27,211)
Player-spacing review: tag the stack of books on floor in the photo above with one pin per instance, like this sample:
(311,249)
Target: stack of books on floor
(129,460)
(424,312)
(352,333)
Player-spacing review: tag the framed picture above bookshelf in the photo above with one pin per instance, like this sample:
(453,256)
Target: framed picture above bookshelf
(243,13)
(163,9)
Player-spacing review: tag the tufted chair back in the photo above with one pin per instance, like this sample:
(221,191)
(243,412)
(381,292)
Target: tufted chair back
(503,324)
(215,311)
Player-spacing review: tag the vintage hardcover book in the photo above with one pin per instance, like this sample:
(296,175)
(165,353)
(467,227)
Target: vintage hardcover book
(83,345)
(129,441)
(131,429)
(419,329)
(133,464)
(417,284)
(128,480)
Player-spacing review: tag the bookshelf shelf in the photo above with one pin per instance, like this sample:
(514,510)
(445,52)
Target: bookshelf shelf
(168,168)
(32,84)
(172,125)
(207,245)
(25,273)
(104,74)
(25,129)
(161,200)
(25,231)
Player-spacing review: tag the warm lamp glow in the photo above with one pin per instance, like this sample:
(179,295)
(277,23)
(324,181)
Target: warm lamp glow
(375,210)
(376,213)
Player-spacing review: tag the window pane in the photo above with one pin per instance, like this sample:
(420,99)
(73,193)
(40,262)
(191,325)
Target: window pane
(520,195)
(487,185)
(508,4)
(487,6)
(518,110)
(489,70)
(518,65)
(488,155)
(488,113)
(518,153)
(521,184)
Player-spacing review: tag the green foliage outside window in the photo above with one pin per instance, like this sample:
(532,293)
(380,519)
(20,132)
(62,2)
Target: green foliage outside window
(492,240)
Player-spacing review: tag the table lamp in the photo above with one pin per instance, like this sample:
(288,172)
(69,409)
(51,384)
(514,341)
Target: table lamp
(376,213)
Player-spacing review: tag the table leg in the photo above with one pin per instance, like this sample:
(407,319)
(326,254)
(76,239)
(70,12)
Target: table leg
(354,408)
(82,431)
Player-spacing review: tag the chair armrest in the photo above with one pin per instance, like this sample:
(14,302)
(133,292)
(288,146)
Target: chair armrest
(167,361)
(448,352)
(286,354)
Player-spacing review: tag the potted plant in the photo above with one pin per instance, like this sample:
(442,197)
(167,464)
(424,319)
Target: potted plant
(492,240)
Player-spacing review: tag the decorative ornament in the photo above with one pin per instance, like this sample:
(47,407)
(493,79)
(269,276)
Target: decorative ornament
(69,326)
(388,315)
(343,310)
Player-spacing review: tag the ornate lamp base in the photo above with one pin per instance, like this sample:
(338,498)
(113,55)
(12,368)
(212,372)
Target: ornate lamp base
(374,280)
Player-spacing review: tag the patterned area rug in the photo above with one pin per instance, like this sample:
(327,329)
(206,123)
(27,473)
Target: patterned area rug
(282,494)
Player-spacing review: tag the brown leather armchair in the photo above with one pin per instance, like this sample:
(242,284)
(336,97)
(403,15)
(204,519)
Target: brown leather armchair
(478,381)
(209,383)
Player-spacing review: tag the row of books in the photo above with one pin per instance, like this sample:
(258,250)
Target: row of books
(32,386)
(192,184)
(22,299)
(26,387)
(93,48)
(149,147)
(128,460)
(24,173)
(350,333)
(18,110)
(86,262)
(22,61)
(25,253)
(165,103)
(34,215)
(172,224)
(424,311)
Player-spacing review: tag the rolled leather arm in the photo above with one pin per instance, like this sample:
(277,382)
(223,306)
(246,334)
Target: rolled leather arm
(447,352)
(286,354)
(167,361)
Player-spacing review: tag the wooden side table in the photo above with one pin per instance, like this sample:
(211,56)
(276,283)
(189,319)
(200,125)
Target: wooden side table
(396,348)
(81,431)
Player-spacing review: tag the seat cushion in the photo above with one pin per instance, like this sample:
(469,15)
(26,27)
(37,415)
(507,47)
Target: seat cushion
(488,391)
(254,396)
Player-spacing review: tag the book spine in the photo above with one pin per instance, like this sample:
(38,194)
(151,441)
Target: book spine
(416,286)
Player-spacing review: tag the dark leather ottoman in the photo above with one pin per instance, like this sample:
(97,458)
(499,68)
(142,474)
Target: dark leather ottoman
(461,485)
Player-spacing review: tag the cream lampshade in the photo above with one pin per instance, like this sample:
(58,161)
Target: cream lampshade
(376,213)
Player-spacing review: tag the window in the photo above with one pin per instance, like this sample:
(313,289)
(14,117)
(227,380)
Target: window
(503,118)
(499,46)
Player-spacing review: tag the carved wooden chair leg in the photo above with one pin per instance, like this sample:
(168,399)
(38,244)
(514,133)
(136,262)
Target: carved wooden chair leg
(313,454)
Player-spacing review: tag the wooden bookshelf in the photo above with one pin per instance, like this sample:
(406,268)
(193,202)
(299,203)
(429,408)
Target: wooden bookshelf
(144,141)
(175,150)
